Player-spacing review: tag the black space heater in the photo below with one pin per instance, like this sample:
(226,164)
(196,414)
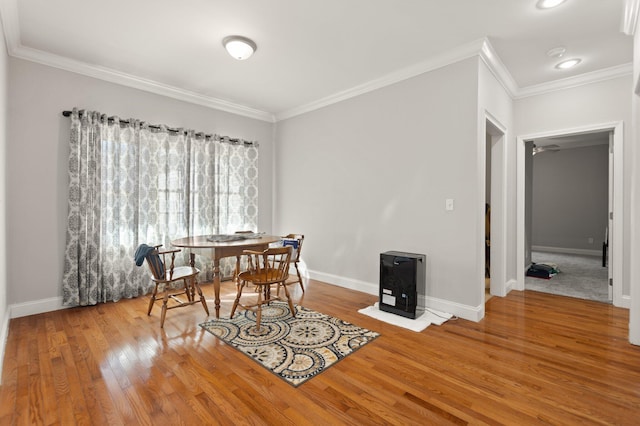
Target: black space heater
(402,279)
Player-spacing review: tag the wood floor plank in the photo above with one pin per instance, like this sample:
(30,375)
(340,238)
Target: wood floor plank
(533,359)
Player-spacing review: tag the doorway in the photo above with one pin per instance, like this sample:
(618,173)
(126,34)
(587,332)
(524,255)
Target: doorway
(614,252)
(494,206)
(568,208)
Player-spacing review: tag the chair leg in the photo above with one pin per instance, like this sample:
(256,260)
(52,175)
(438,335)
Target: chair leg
(259,310)
(165,302)
(299,276)
(267,294)
(192,290)
(237,272)
(202,298)
(188,290)
(237,301)
(289,301)
(293,282)
(152,300)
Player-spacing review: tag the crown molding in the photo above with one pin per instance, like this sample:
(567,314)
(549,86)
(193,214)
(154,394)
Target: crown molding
(481,48)
(630,16)
(497,68)
(135,82)
(487,54)
(129,80)
(575,81)
(10,23)
(439,61)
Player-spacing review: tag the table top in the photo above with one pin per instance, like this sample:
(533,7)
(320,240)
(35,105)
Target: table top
(206,241)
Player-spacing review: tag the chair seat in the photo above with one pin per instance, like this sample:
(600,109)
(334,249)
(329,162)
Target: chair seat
(264,277)
(181,272)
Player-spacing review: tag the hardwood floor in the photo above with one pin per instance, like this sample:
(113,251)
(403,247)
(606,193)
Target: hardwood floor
(535,358)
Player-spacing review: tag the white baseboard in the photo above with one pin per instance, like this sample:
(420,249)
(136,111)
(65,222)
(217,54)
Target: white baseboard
(566,250)
(467,312)
(625,302)
(511,285)
(36,307)
(349,283)
(463,311)
(471,313)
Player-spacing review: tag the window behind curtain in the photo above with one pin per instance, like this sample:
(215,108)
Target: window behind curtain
(131,183)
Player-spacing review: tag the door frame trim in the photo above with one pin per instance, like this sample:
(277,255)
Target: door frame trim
(498,203)
(616,234)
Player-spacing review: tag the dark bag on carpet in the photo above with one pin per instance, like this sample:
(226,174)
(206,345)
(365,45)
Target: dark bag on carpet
(540,270)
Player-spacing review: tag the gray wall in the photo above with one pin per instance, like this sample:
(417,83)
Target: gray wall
(371,174)
(37,153)
(570,198)
(360,177)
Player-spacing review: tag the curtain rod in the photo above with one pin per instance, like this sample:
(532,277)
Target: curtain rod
(227,139)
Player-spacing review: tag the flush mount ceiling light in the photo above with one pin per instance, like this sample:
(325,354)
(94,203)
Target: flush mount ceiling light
(239,47)
(569,63)
(548,4)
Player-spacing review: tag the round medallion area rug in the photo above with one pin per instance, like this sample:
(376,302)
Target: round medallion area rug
(294,348)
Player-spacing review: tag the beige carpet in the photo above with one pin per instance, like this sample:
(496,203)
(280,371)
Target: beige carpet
(580,276)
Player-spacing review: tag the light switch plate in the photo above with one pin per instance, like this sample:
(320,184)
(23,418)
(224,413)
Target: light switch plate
(449,204)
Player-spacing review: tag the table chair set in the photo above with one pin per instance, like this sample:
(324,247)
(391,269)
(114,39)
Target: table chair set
(266,266)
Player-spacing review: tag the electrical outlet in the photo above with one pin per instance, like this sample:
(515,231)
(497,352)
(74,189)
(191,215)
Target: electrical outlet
(590,239)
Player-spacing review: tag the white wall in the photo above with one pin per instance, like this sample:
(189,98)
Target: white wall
(4,308)
(37,155)
(586,105)
(371,174)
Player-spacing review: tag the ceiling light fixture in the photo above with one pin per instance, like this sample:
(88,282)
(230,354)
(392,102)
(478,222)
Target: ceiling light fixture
(239,47)
(569,63)
(548,4)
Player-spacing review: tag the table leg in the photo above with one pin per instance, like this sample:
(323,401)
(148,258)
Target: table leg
(192,287)
(216,284)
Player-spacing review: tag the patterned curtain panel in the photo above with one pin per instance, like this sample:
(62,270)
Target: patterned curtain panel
(131,183)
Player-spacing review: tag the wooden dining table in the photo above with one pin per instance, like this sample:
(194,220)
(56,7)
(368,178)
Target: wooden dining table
(219,246)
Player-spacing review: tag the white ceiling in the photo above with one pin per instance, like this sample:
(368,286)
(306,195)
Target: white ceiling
(311,53)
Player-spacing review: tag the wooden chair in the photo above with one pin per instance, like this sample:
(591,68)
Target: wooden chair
(295,257)
(165,278)
(266,268)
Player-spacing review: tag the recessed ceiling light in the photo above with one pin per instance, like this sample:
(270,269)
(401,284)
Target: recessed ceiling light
(239,47)
(548,4)
(569,63)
